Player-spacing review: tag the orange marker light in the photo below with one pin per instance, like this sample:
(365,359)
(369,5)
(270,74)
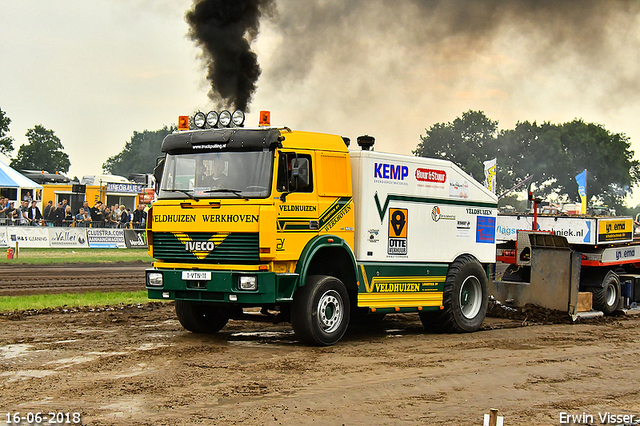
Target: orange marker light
(183,122)
(265,118)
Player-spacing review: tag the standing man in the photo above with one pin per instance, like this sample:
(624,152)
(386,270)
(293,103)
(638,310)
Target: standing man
(24,212)
(33,214)
(85,206)
(46,211)
(139,217)
(3,210)
(97,216)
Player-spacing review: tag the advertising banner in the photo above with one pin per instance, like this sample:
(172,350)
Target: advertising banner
(28,236)
(3,237)
(68,237)
(135,238)
(106,238)
(490,175)
(577,230)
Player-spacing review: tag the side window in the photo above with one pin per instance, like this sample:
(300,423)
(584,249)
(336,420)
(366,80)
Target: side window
(284,172)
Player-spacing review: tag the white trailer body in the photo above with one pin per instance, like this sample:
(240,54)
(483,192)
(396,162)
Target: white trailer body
(415,209)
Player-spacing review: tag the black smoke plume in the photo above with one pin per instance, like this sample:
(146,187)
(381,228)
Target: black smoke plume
(225,29)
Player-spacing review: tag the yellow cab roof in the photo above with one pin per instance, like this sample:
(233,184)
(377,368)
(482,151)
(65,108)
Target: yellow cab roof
(295,139)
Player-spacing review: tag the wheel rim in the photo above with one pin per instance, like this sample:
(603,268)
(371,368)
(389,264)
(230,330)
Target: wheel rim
(470,297)
(610,294)
(330,311)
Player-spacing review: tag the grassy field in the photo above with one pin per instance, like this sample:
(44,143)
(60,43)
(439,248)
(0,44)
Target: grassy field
(66,300)
(63,255)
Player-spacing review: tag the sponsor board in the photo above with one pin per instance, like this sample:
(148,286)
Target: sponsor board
(463,228)
(3,237)
(68,237)
(437,215)
(106,238)
(390,173)
(486,229)
(615,230)
(430,178)
(398,219)
(625,254)
(28,236)
(131,188)
(576,230)
(459,189)
(135,238)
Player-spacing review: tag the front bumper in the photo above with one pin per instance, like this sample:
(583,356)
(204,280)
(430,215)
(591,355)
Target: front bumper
(223,287)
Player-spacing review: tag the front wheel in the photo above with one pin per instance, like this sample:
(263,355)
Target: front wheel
(201,317)
(320,311)
(465,299)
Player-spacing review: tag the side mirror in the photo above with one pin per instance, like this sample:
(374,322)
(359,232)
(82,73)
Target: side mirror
(158,169)
(299,173)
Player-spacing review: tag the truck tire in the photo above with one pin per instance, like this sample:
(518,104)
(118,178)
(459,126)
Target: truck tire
(465,299)
(320,311)
(606,297)
(201,317)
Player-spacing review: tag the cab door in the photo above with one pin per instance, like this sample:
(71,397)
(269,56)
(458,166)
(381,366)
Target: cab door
(335,203)
(296,203)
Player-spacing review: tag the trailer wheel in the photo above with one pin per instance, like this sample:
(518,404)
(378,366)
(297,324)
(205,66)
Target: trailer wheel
(605,298)
(465,299)
(320,311)
(201,317)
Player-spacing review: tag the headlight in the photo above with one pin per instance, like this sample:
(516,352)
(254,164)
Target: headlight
(225,118)
(212,119)
(199,120)
(154,279)
(248,282)
(237,117)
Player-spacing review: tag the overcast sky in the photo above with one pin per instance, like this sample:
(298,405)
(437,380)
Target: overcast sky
(95,72)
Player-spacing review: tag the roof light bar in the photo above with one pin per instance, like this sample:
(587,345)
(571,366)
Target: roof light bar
(214,119)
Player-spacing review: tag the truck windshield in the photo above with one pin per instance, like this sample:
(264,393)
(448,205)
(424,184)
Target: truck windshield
(217,175)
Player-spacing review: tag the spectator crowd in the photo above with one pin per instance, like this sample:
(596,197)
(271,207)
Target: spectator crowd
(98,216)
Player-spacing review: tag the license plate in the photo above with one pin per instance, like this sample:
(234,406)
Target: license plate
(196,275)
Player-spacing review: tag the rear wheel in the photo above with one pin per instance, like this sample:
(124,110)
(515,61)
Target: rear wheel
(320,311)
(465,299)
(201,317)
(606,297)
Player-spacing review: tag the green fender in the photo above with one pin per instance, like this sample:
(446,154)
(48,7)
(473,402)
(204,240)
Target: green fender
(315,245)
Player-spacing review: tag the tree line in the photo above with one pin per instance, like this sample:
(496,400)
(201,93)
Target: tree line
(553,153)
(44,150)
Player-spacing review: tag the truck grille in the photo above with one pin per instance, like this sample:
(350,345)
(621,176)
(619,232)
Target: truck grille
(229,248)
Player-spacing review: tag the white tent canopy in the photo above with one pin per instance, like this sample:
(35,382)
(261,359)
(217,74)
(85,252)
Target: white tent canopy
(10,178)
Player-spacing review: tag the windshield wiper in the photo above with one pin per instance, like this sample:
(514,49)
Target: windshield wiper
(236,192)
(182,191)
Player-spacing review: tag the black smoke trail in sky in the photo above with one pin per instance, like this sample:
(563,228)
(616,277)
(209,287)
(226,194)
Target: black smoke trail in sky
(225,29)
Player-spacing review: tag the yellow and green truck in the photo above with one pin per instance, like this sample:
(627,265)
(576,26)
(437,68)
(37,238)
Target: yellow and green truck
(313,233)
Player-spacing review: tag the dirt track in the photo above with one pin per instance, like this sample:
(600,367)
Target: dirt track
(23,279)
(137,366)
